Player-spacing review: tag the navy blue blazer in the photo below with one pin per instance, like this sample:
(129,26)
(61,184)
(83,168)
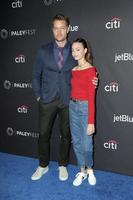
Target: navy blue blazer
(48,79)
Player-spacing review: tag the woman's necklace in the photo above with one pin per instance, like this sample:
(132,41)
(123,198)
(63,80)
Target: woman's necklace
(82,65)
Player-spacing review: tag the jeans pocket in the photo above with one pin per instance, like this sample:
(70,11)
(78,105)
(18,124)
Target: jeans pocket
(83,108)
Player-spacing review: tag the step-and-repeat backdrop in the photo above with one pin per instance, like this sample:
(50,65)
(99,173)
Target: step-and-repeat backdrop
(25,26)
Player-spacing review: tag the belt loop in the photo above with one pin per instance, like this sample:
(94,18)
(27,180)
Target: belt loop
(74,100)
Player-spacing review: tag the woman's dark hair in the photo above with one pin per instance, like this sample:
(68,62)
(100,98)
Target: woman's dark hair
(88,55)
(61,17)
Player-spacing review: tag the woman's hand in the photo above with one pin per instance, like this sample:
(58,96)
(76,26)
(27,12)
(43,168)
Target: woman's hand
(90,129)
(95,80)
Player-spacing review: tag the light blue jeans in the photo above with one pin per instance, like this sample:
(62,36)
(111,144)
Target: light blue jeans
(82,143)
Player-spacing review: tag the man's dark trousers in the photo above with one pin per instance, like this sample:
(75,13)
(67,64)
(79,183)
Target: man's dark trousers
(47,115)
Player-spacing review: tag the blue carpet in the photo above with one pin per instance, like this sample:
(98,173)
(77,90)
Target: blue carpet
(15,183)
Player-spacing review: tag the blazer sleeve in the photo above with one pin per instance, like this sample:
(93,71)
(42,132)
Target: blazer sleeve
(37,73)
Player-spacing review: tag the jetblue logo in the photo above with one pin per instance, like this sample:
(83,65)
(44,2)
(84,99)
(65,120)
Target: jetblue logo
(122,118)
(123,57)
(74,28)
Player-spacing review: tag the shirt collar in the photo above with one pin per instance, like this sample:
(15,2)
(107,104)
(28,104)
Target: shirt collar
(67,45)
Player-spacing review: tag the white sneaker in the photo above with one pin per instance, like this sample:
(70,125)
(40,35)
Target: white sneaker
(80,177)
(39,172)
(91,177)
(63,174)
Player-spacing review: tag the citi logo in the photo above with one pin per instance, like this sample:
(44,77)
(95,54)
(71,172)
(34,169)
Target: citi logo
(22,109)
(17,4)
(122,118)
(112,87)
(74,28)
(20,59)
(113,24)
(123,57)
(111,144)
(50,2)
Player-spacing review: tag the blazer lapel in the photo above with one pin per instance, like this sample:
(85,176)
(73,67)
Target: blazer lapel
(52,57)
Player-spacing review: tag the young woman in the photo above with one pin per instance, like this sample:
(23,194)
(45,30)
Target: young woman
(82,110)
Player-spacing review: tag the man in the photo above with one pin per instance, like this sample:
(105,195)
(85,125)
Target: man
(51,85)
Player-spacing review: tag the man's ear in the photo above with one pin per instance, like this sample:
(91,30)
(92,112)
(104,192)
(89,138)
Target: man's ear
(68,30)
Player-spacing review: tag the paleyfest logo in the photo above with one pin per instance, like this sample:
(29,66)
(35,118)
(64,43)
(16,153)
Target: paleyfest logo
(12,132)
(4,34)
(114,23)
(8,85)
(9,131)
(50,2)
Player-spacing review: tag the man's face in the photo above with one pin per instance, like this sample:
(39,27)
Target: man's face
(60,30)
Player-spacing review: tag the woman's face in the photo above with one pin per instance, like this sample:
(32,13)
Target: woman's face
(78,51)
